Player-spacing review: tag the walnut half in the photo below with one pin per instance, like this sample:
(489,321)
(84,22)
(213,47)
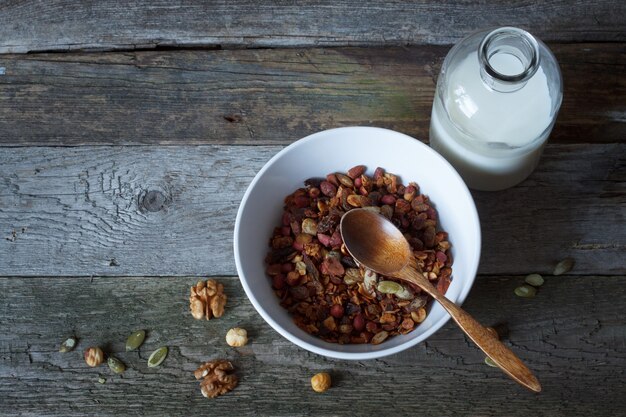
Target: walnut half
(207,299)
(216,379)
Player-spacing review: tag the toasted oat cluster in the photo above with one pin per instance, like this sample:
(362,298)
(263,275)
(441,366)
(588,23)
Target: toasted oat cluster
(322,286)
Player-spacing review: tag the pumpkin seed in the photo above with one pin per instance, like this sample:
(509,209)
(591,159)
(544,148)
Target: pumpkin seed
(157,357)
(405,294)
(535,280)
(525,291)
(116,365)
(490,362)
(135,340)
(102,380)
(564,266)
(68,345)
(389,287)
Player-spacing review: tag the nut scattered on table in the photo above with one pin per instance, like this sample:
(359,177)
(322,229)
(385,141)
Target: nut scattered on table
(207,300)
(216,377)
(94,356)
(321,382)
(237,337)
(68,345)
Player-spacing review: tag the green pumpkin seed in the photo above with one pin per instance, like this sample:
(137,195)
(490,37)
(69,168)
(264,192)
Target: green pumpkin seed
(564,266)
(68,345)
(102,380)
(525,291)
(389,287)
(157,357)
(535,280)
(490,362)
(135,340)
(116,365)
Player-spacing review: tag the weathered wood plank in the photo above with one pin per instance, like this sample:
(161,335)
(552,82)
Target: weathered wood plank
(268,96)
(97,25)
(86,210)
(577,351)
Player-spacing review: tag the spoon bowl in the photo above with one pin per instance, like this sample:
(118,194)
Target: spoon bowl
(378,245)
(371,238)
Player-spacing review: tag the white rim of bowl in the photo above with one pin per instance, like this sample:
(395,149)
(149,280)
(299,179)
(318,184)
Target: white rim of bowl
(329,352)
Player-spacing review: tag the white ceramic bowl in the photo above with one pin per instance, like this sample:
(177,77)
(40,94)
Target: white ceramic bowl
(337,150)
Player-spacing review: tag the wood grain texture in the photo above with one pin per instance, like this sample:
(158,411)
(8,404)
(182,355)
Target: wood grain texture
(268,96)
(577,351)
(101,25)
(89,211)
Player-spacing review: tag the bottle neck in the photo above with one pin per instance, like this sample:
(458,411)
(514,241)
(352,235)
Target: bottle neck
(508,58)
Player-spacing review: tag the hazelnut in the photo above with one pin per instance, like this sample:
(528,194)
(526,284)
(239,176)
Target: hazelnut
(237,337)
(94,356)
(320,382)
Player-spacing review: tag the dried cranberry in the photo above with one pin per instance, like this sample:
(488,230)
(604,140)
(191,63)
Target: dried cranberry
(358,322)
(278,282)
(336,311)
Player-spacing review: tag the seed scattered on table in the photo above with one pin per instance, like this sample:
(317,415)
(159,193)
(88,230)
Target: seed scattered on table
(564,266)
(490,362)
(102,380)
(116,365)
(535,280)
(157,357)
(68,345)
(525,291)
(135,340)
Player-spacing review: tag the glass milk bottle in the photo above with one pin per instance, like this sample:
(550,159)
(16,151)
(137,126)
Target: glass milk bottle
(497,98)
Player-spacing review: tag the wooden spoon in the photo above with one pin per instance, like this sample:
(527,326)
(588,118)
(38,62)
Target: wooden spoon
(377,244)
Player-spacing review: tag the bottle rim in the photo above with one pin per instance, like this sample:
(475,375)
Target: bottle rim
(487,49)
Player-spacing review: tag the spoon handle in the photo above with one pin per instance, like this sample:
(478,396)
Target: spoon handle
(496,350)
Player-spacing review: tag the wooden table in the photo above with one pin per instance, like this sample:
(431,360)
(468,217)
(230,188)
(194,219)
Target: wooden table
(129,132)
